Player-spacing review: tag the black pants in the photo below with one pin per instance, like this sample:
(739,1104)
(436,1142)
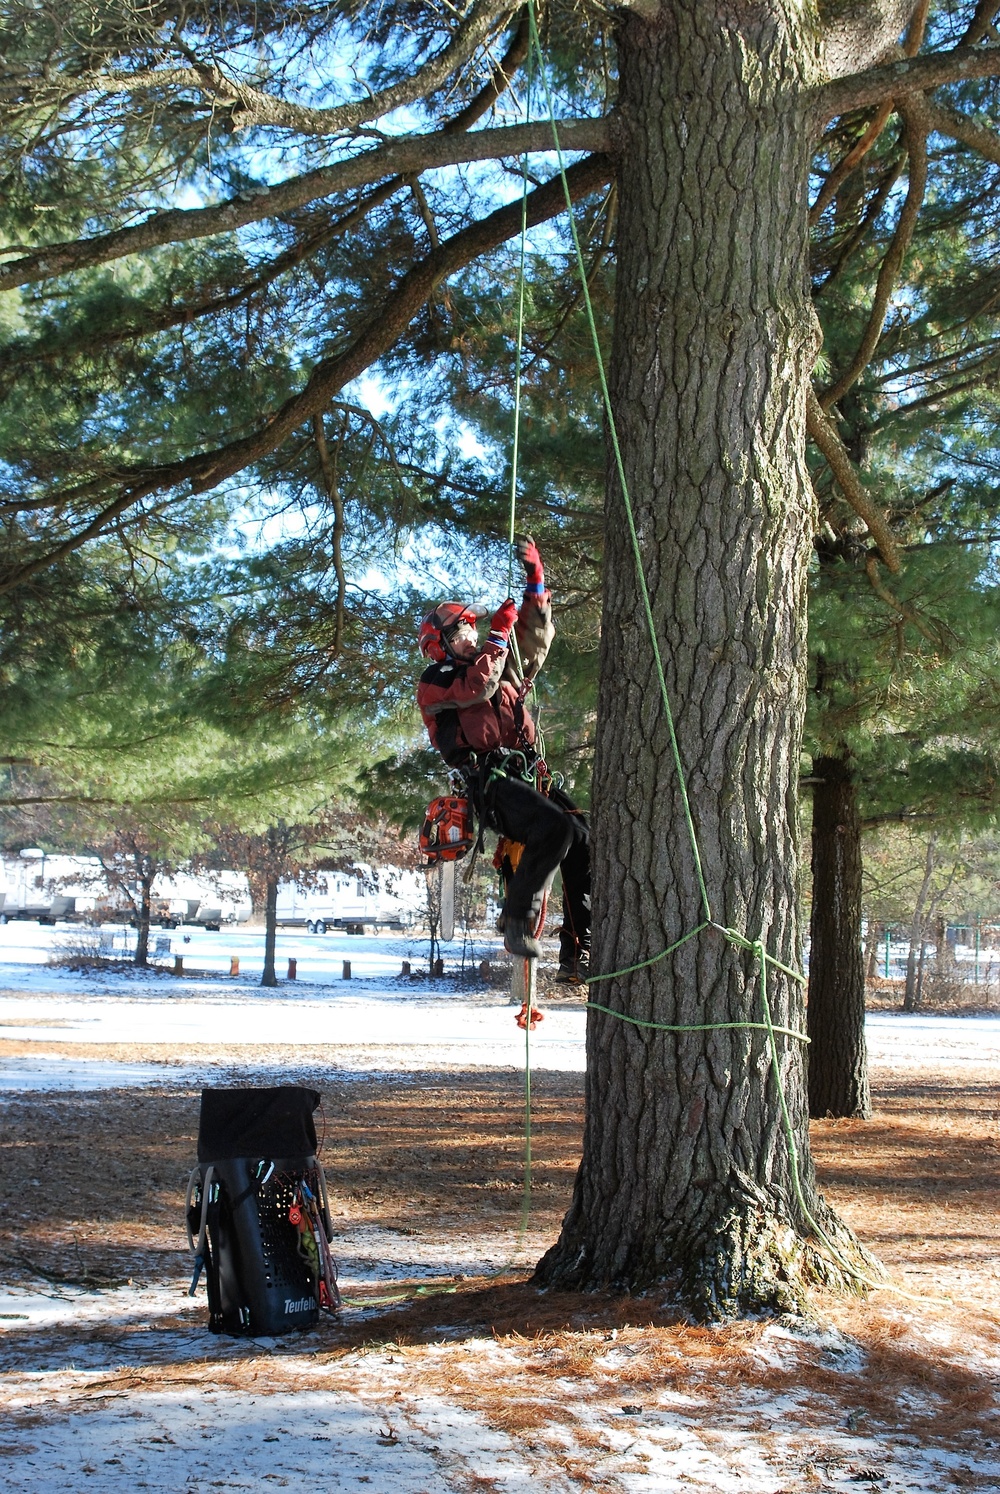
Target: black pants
(555,834)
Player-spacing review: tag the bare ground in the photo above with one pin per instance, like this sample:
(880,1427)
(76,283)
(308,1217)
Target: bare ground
(92,1184)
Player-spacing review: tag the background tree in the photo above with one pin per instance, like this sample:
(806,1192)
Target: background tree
(132,853)
(899,726)
(910,325)
(333,838)
(920,879)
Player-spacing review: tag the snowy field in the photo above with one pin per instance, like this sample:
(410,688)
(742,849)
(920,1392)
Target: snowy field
(426,1024)
(475,1381)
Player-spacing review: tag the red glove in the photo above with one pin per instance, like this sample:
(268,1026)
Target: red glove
(503,620)
(527,554)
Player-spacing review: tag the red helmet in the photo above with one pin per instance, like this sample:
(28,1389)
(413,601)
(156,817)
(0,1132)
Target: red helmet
(437,625)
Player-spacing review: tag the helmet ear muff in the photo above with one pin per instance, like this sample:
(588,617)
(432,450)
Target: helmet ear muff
(430,638)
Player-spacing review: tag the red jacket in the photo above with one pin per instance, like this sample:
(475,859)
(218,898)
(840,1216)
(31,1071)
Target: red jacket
(475,707)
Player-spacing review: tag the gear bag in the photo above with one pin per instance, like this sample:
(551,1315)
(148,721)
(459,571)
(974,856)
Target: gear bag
(258,1218)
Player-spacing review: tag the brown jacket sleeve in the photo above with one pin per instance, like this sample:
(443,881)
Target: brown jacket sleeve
(535,631)
(444,688)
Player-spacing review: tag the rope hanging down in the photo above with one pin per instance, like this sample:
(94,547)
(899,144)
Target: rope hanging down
(756,947)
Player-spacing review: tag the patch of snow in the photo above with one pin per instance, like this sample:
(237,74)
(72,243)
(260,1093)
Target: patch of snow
(199,1441)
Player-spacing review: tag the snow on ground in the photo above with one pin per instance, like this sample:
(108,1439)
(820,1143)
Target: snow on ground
(122,1388)
(427,1024)
(256,1441)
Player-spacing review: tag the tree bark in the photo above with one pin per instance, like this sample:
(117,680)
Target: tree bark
(838,1058)
(876,933)
(945,962)
(144,910)
(686,1174)
(911,992)
(268,977)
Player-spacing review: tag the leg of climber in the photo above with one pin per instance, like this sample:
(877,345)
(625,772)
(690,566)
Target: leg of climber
(574,936)
(522,814)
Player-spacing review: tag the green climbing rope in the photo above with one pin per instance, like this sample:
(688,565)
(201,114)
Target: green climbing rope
(516,440)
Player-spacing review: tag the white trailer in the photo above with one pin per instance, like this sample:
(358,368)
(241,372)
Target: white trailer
(49,888)
(383,898)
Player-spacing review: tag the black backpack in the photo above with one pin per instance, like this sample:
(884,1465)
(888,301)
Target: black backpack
(258,1217)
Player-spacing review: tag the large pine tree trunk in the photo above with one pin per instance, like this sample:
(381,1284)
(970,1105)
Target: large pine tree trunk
(686,1172)
(838,1057)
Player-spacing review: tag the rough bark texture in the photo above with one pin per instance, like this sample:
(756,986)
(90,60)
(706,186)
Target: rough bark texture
(838,1057)
(686,1174)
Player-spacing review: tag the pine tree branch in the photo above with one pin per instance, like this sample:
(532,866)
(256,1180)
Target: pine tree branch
(20,355)
(331,484)
(986,378)
(826,437)
(861,231)
(915,74)
(898,817)
(181,313)
(981,25)
(402,157)
(251,107)
(839,173)
(903,610)
(911,108)
(957,541)
(206,470)
(854,157)
(944,120)
(500,79)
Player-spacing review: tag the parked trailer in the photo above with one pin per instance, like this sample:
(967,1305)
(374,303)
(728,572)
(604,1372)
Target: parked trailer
(49,911)
(30,880)
(351,904)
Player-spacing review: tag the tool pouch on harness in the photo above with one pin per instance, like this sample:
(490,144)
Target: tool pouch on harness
(257,1212)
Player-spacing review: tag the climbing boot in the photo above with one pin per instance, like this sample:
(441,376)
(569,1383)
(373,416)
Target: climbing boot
(574,972)
(518,938)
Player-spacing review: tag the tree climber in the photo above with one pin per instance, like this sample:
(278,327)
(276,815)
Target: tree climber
(472,700)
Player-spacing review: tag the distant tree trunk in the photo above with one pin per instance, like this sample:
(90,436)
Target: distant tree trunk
(876,933)
(911,994)
(945,962)
(269,978)
(144,912)
(838,1057)
(921,963)
(686,1173)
